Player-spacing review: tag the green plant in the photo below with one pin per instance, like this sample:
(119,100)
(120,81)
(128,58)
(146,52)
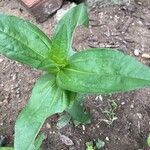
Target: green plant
(6,148)
(67,73)
(89,146)
(148,140)
(98,144)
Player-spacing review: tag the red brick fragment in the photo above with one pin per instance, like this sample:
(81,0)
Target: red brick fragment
(30,3)
(42,9)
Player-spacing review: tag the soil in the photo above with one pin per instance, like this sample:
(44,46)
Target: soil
(125,27)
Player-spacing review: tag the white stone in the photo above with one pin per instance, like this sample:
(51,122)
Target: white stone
(122,103)
(107,138)
(146,55)
(1,60)
(83,127)
(132,106)
(136,52)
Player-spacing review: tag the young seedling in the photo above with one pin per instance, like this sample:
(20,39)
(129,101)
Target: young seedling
(97,145)
(66,73)
(89,146)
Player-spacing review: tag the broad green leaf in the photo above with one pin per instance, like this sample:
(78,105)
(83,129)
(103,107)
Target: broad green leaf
(6,148)
(63,35)
(46,99)
(77,111)
(22,41)
(103,71)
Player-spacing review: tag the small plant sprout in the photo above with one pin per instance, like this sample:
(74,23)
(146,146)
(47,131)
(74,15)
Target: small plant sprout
(65,73)
(97,145)
(90,146)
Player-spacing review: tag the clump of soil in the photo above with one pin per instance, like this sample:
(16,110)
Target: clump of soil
(126,28)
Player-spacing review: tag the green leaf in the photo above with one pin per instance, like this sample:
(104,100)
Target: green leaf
(89,146)
(103,71)
(63,120)
(6,148)
(77,111)
(22,41)
(46,99)
(49,66)
(38,141)
(100,144)
(148,140)
(63,36)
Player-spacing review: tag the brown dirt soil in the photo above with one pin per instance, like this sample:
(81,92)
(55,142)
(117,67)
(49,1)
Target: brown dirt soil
(123,27)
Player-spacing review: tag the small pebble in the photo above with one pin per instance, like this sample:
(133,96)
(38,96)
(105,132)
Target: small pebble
(14,76)
(132,106)
(136,52)
(1,60)
(48,126)
(83,127)
(107,138)
(66,140)
(139,115)
(146,55)
(140,3)
(122,103)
